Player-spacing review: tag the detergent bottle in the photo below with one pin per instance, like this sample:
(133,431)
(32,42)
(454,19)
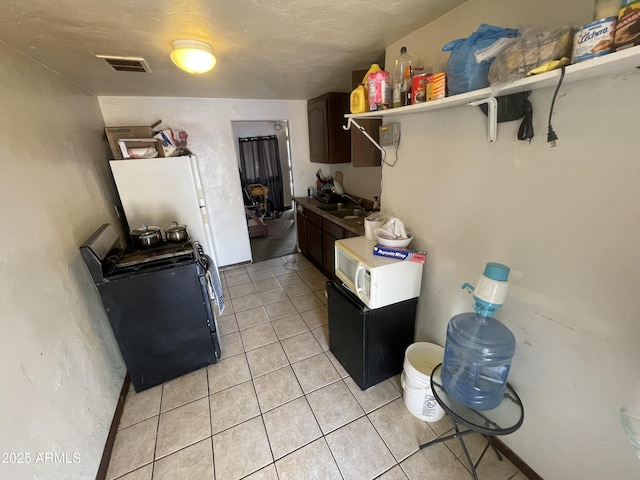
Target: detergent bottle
(479,348)
(359,100)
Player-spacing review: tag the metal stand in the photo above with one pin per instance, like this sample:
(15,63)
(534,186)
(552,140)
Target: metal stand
(459,434)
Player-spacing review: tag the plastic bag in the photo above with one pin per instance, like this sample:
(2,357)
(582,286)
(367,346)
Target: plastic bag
(394,229)
(465,70)
(535,47)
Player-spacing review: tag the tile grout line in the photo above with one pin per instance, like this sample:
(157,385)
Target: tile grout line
(155,446)
(304,395)
(213,463)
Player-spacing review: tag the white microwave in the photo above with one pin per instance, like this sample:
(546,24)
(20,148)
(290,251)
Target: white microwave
(377,281)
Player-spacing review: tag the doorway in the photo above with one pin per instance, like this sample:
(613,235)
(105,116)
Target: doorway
(271,233)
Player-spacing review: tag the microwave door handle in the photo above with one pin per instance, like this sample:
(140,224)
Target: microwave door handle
(355,282)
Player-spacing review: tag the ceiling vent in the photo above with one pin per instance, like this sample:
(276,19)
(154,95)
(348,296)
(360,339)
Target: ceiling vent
(126,64)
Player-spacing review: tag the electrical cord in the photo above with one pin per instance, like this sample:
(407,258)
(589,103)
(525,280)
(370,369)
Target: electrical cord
(551,134)
(525,132)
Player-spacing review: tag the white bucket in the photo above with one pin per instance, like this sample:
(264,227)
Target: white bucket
(419,361)
(369,228)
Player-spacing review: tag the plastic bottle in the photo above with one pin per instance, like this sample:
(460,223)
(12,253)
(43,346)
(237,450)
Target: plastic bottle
(359,100)
(479,349)
(373,68)
(401,81)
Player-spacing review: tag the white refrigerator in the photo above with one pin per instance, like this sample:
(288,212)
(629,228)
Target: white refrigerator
(158,191)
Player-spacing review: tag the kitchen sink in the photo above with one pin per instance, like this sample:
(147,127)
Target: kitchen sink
(347,213)
(331,207)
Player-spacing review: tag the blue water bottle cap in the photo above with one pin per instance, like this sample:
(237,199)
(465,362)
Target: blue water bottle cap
(496,271)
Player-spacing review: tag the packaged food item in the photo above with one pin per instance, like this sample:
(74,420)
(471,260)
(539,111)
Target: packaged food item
(628,28)
(436,84)
(536,46)
(419,88)
(378,83)
(594,39)
(606,9)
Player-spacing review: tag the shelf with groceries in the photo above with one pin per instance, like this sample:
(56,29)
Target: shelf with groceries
(614,64)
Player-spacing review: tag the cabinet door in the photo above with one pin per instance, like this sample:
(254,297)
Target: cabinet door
(339,138)
(317,111)
(329,253)
(328,141)
(363,152)
(314,243)
(330,233)
(301,228)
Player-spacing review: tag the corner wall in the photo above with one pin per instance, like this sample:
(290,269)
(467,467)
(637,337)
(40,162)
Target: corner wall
(566,221)
(61,368)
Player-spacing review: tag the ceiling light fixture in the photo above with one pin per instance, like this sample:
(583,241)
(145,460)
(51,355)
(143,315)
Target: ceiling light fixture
(192,56)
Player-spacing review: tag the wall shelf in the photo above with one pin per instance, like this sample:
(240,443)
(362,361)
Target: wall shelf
(617,63)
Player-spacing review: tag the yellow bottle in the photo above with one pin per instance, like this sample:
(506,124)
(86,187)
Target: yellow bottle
(360,96)
(359,100)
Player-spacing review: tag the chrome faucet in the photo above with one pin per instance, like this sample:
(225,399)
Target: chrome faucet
(357,202)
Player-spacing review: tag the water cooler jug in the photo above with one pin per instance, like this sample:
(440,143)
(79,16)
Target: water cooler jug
(479,348)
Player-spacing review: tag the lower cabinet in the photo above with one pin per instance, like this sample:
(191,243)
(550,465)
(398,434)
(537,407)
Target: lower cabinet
(317,237)
(301,229)
(314,237)
(330,233)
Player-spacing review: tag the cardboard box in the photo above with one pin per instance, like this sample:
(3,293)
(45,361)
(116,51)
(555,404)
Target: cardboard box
(114,134)
(400,253)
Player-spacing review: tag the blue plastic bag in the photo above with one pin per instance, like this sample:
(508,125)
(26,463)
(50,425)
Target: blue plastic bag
(464,72)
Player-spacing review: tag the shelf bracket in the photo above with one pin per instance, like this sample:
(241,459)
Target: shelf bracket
(492,116)
(351,121)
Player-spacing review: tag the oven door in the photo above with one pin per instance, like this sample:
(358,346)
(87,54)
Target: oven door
(162,321)
(209,296)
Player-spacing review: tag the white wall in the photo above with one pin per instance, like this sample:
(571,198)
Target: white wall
(565,219)
(209,125)
(363,182)
(61,369)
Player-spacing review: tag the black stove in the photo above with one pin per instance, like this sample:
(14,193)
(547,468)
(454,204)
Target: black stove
(159,305)
(132,260)
(132,256)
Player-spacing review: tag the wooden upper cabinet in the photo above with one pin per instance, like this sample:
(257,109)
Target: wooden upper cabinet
(363,152)
(328,141)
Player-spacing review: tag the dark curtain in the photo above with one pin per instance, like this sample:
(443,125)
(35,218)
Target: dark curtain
(260,163)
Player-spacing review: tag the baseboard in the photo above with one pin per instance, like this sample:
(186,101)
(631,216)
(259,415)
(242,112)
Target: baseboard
(113,430)
(515,459)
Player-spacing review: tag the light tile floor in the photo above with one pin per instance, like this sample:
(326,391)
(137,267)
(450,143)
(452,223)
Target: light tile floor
(279,406)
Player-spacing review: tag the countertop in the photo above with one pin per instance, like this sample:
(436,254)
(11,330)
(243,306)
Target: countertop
(354,225)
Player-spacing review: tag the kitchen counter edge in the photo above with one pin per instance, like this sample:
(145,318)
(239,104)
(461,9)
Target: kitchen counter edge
(353,225)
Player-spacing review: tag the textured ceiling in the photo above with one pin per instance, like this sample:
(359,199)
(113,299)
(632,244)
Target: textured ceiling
(271,49)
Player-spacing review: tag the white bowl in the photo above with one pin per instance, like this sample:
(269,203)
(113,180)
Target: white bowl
(383,238)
